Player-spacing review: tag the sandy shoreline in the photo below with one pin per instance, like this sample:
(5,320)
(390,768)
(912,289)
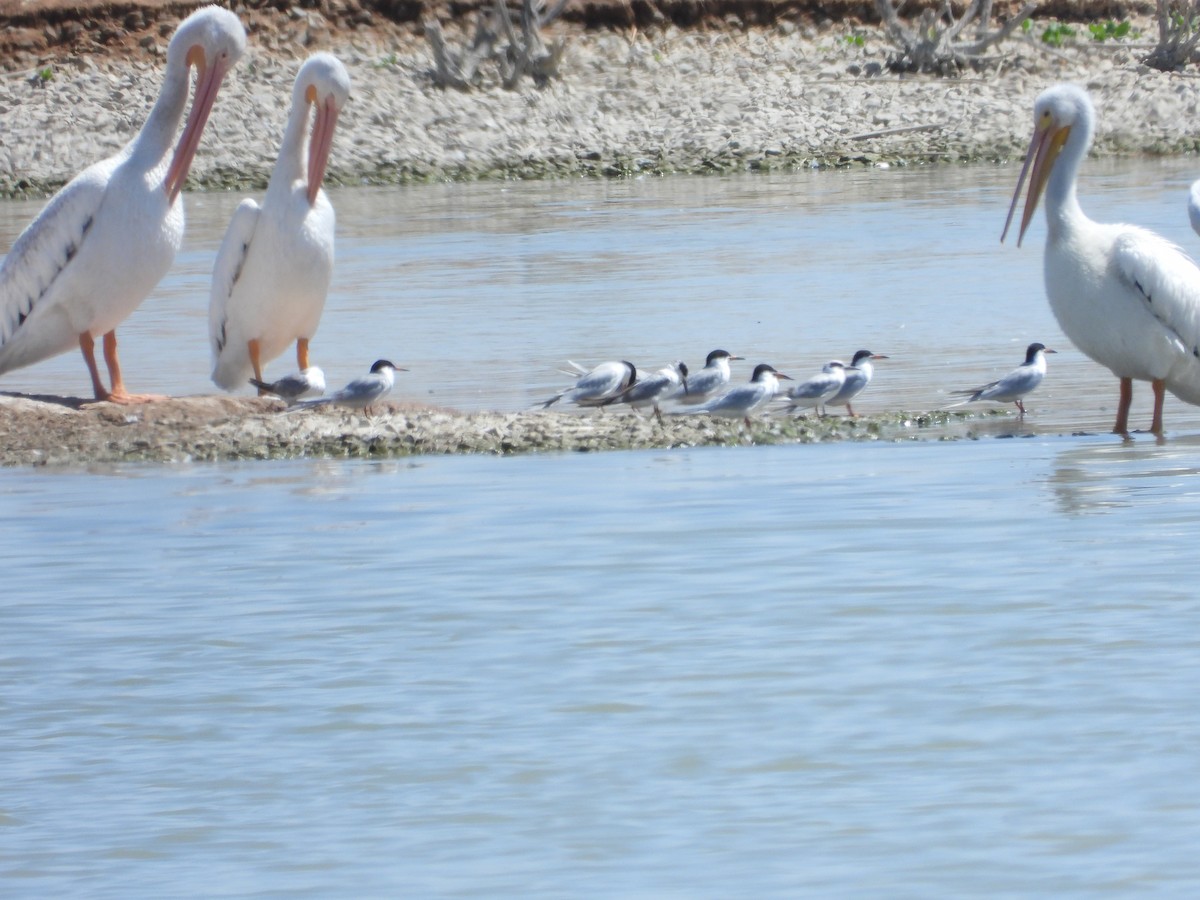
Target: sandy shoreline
(660,101)
(64,432)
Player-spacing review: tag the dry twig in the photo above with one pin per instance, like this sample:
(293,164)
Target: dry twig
(1178,34)
(933,45)
(496,38)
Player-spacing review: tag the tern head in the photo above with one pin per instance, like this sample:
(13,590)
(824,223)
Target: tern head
(681,370)
(762,372)
(380,364)
(1034,349)
(717,355)
(865,354)
(1058,113)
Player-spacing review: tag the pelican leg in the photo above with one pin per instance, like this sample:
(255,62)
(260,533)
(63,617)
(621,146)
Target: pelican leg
(302,353)
(1123,404)
(252,349)
(1159,386)
(87,344)
(118,394)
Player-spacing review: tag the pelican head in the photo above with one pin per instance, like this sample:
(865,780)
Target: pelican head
(323,82)
(213,40)
(1058,112)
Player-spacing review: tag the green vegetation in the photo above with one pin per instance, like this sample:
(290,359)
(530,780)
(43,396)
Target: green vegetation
(1111,31)
(1056,34)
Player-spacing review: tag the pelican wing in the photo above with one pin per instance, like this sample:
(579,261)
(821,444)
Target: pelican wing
(46,247)
(1166,280)
(235,247)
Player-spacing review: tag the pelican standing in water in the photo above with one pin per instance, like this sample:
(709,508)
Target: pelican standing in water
(1126,297)
(103,242)
(274,266)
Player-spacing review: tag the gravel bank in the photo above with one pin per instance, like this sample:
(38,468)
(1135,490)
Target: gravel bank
(51,431)
(661,101)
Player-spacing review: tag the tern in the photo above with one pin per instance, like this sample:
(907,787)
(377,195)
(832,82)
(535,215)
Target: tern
(599,386)
(361,393)
(858,376)
(1013,387)
(664,384)
(745,399)
(812,392)
(293,388)
(702,386)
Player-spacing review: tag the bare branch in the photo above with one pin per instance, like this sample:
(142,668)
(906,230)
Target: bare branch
(496,39)
(933,45)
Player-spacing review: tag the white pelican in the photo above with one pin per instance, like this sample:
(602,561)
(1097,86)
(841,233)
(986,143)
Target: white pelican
(812,392)
(1017,383)
(102,243)
(1194,206)
(709,381)
(1126,297)
(858,375)
(603,383)
(273,269)
(662,385)
(361,393)
(745,399)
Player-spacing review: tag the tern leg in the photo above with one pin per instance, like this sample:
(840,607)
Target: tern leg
(1159,386)
(1123,404)
(87,345)
(1021,407)
(118,394)
(302,353)
(850,409)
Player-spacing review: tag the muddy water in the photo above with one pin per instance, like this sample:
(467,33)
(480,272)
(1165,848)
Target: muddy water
(482,290)
(934,669)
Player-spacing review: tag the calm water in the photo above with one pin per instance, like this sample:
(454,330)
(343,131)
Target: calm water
(910,669)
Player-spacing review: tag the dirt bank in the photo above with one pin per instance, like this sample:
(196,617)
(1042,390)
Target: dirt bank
(58,431)
(38,31)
